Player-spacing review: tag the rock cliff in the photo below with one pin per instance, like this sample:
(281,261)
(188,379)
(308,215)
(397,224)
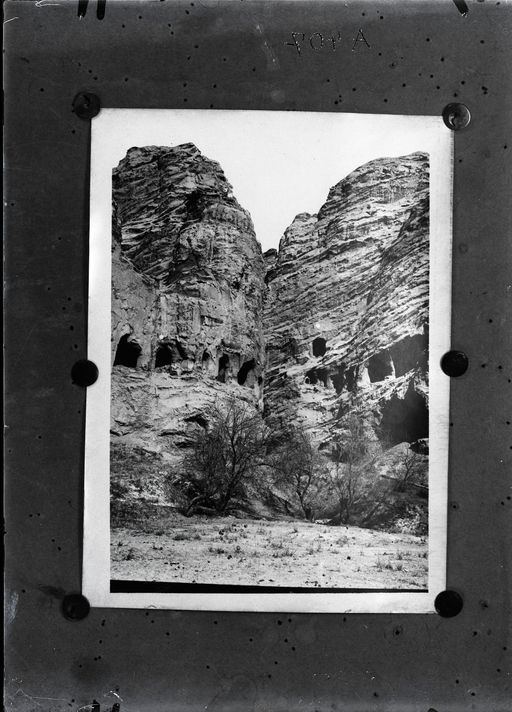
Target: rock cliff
(187,290)
(332,323)
(346,309)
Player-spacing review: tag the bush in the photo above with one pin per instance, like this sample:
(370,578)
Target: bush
(414,521)
(225,456)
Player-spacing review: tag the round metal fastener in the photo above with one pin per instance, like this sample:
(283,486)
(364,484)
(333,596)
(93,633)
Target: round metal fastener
(454,363)
(456,116)
(448,603)
(84,373)
(75,607)
(86,105)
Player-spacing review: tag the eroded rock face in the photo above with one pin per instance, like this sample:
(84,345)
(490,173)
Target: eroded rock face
(346,311)
(187,291)
(332,323)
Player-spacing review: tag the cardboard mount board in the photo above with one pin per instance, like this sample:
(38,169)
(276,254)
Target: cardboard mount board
(361,58)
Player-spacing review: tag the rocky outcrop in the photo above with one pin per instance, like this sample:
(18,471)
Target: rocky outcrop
(346,310)
(187,290)
(332,323)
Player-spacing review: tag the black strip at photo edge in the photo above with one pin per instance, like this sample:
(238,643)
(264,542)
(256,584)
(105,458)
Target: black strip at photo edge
(119,586)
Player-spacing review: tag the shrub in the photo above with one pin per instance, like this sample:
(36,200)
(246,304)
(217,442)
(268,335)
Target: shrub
(225,456)
(414,521)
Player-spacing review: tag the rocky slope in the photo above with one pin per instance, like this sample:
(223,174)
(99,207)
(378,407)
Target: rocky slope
(346,310)
(187,290)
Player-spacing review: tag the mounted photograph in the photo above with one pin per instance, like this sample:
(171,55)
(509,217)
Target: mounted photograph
(270,426)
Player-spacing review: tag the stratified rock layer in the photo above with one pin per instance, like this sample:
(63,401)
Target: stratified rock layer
(333,323)
(187,289)
(346,310)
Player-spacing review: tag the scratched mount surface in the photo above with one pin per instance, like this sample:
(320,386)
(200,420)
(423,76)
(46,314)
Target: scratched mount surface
(416,58)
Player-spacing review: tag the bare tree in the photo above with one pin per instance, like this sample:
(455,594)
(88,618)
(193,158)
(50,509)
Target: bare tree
(410,472)
(350,448)
(225,455)
(407,471)
(297,465)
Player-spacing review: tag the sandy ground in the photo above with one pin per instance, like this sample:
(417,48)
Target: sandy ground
(269,553)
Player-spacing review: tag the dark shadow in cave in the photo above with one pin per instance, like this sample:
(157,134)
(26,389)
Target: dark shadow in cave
(194,206)
(409,353)
(244,371)
(351,375)
(380,366)
(223,367)
(317,375)
(127,352)
(319,346)
(405,420)
(163,356)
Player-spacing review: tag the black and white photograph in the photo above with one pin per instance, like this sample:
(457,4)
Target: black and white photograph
(274,395)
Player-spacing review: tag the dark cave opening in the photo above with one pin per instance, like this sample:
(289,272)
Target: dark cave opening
(223,368)
(409,353)
(317,375)
(127,352)
(181,351)
(163,356)
(338,380)
(247,367)
(199,419)
(194,206)
(380,366)
(405,419)
(319,346)
(351,375)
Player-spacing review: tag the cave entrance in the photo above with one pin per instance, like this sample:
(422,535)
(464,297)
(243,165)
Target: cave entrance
(223,368)
(163,356)
(194,206)
(318,375)
(127,352)
(319,347)
(380,366)
(409,353)
(405,419)
(351,378)
(338,379)
(181,351)
(246,370)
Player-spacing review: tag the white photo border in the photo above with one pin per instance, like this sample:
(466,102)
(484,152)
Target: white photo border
(438,141)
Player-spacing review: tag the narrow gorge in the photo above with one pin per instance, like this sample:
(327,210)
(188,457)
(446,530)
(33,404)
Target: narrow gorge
(333,323)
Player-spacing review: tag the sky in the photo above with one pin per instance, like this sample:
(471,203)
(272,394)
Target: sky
(280,163)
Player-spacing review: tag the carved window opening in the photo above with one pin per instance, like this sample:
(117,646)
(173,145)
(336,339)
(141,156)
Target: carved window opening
(319,347)
(245,371)
(223,368)
(163,356)
(127,352)
(380,366)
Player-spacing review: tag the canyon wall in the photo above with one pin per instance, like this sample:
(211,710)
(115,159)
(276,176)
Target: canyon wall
(334,323)
(346,309)
(187,291)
